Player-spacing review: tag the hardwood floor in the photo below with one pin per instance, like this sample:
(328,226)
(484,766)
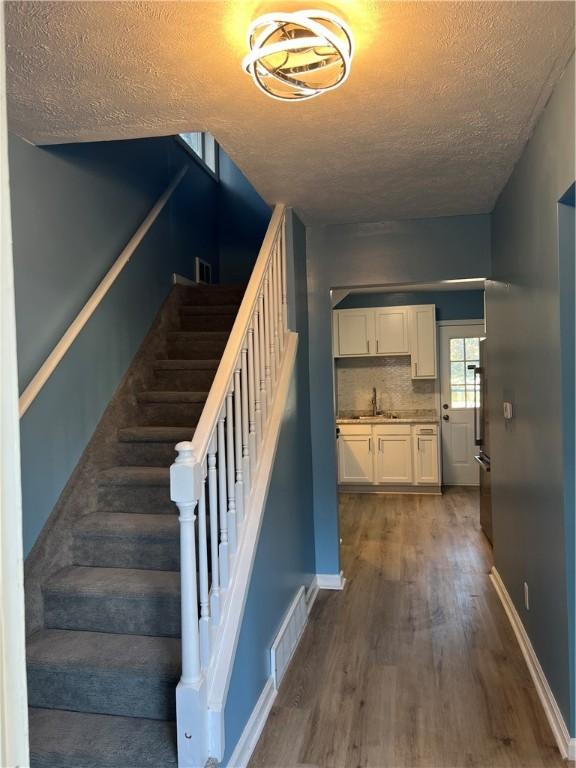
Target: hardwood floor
(414,664)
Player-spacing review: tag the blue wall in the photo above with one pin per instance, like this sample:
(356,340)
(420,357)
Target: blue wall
(74,207)
(450,305)
(364,255)
(285,554)
(243,220)
(532,542)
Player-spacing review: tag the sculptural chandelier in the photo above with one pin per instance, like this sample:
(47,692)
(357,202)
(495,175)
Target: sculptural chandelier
(295,56)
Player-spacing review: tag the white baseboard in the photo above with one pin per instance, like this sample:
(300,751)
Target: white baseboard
(254,727)
(311,594)
(566,745)
(329,581)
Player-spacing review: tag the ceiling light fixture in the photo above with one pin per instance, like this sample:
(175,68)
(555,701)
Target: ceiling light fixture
(295,56)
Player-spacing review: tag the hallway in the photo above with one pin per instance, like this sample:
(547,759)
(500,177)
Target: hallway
(414,664)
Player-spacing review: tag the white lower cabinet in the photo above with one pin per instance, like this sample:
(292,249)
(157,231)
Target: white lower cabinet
(426,466)
(388,454)
(393,452)
(355,458)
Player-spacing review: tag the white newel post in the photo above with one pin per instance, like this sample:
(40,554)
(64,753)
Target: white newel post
(186,487)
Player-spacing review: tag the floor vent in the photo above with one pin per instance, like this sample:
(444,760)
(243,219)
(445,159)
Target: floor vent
(288,637)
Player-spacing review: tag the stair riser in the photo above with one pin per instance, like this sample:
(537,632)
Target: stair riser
(195,349)
(170,414)
(162,554)
(138,499)
(145,454)
(192,381)
(209,297)
(111,692)
(143,615)
(206,322)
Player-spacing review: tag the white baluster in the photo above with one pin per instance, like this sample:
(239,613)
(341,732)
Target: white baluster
(203,572)
(185,483)
(270,326)
(265,325)
(255,415)
(278,273)
(284,278)
(230,474)
(262,364)
(214,558)
(275,325)
(238,459)
(222,505)
(245,420)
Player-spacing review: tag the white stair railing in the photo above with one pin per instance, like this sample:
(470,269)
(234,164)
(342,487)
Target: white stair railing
(212,483)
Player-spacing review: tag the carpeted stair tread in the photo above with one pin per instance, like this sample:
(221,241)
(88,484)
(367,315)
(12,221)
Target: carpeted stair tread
(199,335)
(193,310)
(103,673)
(128,540)
(119,600)
(125,523)
(113,581)
(186,365)
(177,396)
(170,435)
(147,476)
(61,739)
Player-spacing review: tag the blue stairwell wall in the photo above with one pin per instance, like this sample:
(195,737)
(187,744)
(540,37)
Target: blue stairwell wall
(285,553)
(74,207)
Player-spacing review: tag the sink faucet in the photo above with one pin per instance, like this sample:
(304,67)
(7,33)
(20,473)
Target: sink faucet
(374,402)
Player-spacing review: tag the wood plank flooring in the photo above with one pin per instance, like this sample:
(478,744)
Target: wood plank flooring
(414,664)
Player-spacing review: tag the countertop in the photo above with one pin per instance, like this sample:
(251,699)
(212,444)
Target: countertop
(387,420)
(401,418)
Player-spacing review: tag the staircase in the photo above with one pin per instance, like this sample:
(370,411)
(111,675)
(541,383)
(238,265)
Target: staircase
(102,673)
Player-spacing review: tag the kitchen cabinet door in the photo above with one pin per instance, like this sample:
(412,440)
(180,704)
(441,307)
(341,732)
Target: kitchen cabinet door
(423,341)
(354,332)
(355,459)
(426,459)
(392,337)
(393,459)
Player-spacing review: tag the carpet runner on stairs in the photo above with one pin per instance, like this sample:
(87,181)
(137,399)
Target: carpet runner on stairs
(102,673)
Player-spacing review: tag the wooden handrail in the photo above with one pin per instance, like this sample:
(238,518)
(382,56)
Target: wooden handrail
(54,358)
(224,375)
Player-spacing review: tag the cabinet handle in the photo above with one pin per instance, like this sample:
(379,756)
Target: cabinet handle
(367,346)
(376,345)
(418,443)
(415,368)
(369,445)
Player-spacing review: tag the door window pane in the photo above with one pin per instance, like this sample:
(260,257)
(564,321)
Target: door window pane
(464,392)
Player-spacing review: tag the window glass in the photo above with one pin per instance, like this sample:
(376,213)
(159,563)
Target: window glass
(204,146)
(464,391)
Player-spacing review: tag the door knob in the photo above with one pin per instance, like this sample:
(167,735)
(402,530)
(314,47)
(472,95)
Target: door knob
(445,406)
(446,417)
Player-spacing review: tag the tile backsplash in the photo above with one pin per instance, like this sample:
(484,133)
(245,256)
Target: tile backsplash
(392,377)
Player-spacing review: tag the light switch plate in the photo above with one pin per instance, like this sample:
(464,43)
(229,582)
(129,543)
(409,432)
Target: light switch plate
(508,411)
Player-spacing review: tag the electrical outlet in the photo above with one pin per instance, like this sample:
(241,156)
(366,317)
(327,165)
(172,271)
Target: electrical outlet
(526,597)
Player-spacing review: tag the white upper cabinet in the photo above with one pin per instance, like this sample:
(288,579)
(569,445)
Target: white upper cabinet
(392,337)
(354,332)
(389,331)
(423,341)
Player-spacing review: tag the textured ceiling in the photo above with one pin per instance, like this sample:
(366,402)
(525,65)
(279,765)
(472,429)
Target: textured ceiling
(439,104)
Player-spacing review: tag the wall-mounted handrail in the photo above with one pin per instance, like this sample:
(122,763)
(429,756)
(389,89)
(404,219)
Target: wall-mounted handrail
(52,361)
